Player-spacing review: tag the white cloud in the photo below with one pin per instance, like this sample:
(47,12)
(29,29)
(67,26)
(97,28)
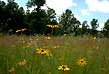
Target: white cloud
(60,5)
(98,5)
(101,25)
(78,17)
(4,0)
(85,12)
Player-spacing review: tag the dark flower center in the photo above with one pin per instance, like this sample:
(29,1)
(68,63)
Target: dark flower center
(81,61)
(42,50)
(63,67)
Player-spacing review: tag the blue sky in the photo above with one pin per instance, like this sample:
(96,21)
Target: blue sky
(82,9)
(88,13)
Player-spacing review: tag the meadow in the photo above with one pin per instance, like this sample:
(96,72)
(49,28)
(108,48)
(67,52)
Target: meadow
(53,55)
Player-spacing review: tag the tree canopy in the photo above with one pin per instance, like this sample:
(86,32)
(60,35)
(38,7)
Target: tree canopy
(13,18)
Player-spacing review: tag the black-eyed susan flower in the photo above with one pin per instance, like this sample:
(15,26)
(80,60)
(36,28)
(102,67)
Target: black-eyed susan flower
(47,37)
(22,62)
(63,67)
(82,61)
(65,34)
(53,26)
(18,31)
(49,26)
(56,26)
(42,51)
(11,70)
(21,30)
(94,38)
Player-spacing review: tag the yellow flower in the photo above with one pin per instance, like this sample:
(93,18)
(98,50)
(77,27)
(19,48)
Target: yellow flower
(22,62)
(94,38)
(63,67)
(65,34)
(18,31)
(23,29)
(48,37)
(49,25)
(42,51)
(11,71)
(82,61)
(56,26)
(53,26)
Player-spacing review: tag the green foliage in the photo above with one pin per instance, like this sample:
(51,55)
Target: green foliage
(85,27)
(37,3)
(106,29)
(69,22)
(94,26)
(64,50)
(52,20)
(38,22)
(51,16)
(12,17)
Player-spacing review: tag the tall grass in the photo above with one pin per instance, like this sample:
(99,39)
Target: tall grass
(64,50)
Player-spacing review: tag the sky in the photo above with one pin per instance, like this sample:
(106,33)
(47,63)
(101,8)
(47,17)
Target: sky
(82,9)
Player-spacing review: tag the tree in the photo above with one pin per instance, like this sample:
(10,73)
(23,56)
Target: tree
(69,22)
(38,20)
(13,17)
(37,3)
(2,15)
(106,29)
(85,27)
(94,26)
(51,16)
(76,23)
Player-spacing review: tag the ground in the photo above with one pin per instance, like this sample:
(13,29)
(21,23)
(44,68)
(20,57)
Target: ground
(53,55)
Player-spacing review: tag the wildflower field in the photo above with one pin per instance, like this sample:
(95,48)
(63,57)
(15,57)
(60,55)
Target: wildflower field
(53,55)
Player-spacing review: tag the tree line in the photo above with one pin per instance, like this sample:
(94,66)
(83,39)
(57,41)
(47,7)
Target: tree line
(15,20)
